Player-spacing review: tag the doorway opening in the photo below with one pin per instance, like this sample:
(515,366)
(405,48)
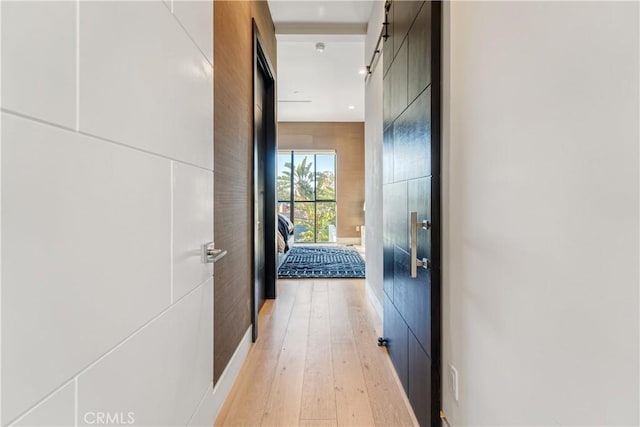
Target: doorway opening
(264,162)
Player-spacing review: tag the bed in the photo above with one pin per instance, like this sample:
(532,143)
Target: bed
(284,238)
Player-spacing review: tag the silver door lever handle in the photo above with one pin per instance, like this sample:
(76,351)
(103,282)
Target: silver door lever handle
(211,254)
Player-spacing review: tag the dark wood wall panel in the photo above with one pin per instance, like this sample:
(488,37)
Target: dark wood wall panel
(398,76)
(419,200)
(397,209)
(233,167)
(398,341)
(410,297)
(388,245)
(420,391)
(387,155)
(412,140)
(404,14)
(419,45)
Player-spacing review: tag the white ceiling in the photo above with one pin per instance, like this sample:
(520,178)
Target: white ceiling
(336,11)
(330,80)
(327,82)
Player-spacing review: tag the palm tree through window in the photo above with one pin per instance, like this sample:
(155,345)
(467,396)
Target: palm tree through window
(306,187)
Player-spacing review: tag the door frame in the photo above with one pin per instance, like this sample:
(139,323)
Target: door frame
(436,212)
(262,64)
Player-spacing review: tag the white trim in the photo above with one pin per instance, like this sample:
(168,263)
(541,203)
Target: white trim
(230,374)
(374,299)
(377,306)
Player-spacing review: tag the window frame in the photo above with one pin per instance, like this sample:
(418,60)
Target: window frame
(291,201)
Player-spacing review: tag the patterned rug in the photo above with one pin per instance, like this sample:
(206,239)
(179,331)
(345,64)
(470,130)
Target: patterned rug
(322,262)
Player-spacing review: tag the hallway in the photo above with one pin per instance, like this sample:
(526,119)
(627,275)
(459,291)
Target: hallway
(484,155)
(317,363)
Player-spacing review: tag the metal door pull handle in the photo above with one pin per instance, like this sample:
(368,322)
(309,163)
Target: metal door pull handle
(413,237)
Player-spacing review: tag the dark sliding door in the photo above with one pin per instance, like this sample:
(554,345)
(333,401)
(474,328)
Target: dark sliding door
(411,201)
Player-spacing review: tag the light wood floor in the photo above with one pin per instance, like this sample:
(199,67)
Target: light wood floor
(317,363)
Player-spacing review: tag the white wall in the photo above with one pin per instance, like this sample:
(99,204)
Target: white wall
(373,157)
(107,193)
(541,212)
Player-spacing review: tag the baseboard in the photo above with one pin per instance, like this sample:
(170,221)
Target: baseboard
(348,240)
(377,306)
(213,400)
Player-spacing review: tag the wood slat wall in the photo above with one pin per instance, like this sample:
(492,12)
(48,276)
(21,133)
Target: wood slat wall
(347,138)
(233,147)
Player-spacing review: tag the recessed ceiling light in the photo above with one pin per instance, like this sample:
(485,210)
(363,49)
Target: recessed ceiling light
(320,47)
(362,71)
(352,107)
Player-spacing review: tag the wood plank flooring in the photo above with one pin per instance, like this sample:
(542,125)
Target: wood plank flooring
(317,363)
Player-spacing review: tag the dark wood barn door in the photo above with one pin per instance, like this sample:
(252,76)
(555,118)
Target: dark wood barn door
(411,201)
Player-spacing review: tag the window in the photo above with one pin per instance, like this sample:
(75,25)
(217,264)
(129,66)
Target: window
(306,191)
